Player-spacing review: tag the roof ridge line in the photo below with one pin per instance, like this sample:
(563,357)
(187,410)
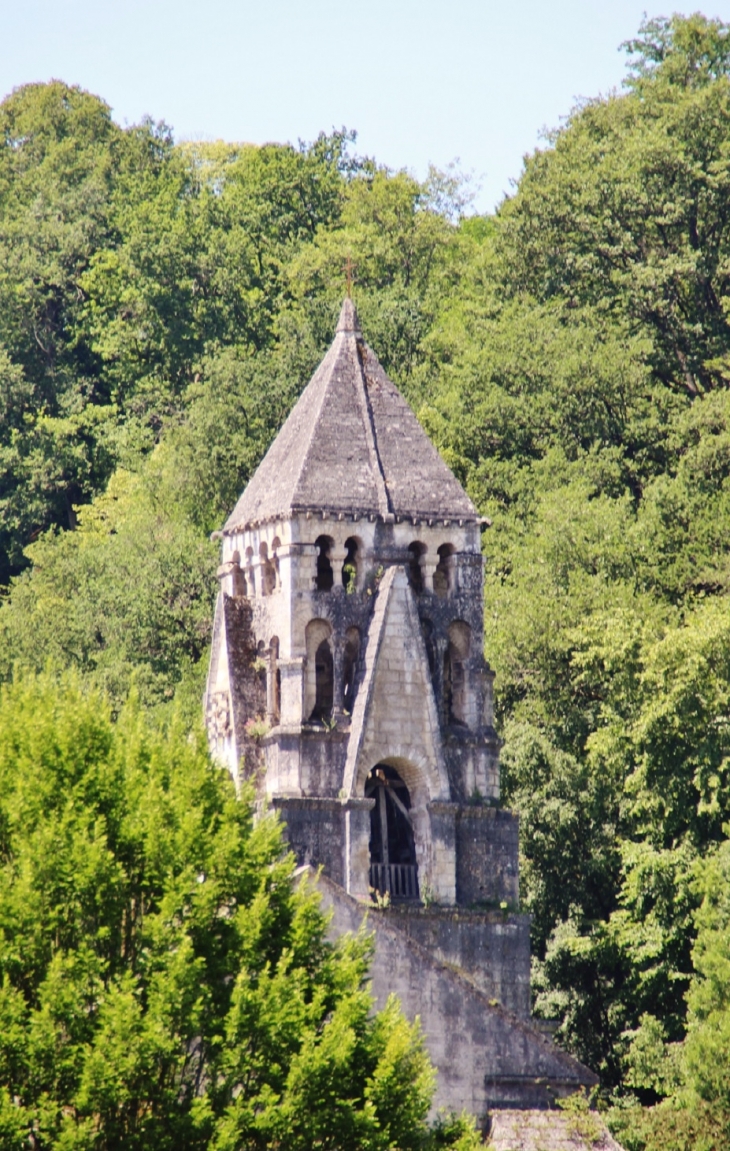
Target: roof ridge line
(362,699)
(324,379)
(384,503)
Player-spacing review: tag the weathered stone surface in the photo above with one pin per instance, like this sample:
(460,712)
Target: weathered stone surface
(315,831)
(491,947)
(235,690)
(487,847)
(486,1056)
(395,715)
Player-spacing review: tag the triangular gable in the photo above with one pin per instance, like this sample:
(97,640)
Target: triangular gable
(395,718)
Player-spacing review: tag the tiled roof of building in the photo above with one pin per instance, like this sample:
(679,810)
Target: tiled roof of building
(549,1131)
(352,445)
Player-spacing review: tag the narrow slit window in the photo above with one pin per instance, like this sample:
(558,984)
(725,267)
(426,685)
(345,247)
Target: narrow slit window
(443,575)
(349,567)
(456,678)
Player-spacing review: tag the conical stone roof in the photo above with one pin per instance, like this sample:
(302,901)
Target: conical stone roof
(351,445)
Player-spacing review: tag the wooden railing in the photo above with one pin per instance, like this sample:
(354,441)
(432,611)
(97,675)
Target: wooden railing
(398,880)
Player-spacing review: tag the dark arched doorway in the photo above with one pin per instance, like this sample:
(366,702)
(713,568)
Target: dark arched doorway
(393,869)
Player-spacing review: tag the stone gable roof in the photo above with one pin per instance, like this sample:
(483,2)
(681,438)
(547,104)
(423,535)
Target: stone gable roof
(396,694)
(351,445)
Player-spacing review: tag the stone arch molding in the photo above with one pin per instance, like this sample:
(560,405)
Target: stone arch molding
(414,770)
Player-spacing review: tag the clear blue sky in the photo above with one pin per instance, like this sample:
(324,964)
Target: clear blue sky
(421,80)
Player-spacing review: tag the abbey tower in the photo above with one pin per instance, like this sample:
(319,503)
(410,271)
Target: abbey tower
(347,678)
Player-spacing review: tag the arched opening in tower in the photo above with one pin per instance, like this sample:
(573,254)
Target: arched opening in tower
(442,577)
(268,571)
(349,567)
(324,680)
(416,552)
(325,575)
(393,869)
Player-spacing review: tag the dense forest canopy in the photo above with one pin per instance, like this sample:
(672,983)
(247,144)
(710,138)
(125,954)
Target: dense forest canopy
(162,306)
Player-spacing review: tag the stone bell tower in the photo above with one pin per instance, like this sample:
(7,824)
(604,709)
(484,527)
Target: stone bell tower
(347,679)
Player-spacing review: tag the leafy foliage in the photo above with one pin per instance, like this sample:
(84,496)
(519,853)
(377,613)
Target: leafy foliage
(163,980)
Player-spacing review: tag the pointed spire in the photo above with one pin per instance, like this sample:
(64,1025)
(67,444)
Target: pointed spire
(352,446)
(348,321)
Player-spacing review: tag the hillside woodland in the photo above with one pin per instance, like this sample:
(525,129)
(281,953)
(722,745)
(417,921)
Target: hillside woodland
(161,307)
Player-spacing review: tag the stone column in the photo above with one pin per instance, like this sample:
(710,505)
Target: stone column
(357,847)
(291,703)
(429,563)
(284,566)
(232,579)
(250,578)
(273,703)
(337,557)
(306,567)
(443,851)
(338,656)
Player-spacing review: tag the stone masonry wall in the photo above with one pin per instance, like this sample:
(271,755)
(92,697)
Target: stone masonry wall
(315,831)
(247,685)
(492,948)
(485,1056)
(487,844)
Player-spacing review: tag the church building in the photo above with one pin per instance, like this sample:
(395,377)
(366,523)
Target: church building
(347,679)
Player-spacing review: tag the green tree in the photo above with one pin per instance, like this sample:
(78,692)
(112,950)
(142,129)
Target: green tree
(693,1075)
(127,596)
(626,209)
(164,982)
(397,241)
(57,158)
(126,262)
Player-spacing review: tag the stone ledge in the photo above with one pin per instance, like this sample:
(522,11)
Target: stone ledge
(304,801)
(484,811)
(461,914)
